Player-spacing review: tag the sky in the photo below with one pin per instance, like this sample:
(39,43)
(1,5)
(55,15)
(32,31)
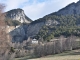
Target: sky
(35,9)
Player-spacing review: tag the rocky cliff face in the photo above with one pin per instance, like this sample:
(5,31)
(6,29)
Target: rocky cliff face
(19,15)
(33,29)
(17,33)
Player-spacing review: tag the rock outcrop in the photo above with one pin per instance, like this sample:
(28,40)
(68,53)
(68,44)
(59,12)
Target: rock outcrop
(19,15)
(17,33)
(33,29)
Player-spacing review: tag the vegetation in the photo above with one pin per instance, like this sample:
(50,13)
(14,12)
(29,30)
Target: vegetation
(57,46)
(12,22)
(68,25)
(4,37)
(68,55)
(62,48)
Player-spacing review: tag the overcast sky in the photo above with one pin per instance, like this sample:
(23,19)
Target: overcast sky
(35,9)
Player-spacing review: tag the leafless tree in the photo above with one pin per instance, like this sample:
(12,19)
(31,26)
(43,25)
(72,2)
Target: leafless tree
(4,36)
(57,46)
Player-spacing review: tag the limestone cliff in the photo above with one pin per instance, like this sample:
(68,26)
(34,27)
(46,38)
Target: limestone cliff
(17,33)
(19,15)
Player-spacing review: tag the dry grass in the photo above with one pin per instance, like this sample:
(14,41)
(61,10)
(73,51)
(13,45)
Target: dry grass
(68,55)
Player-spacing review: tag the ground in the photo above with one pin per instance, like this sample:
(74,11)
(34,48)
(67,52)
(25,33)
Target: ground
(68,55)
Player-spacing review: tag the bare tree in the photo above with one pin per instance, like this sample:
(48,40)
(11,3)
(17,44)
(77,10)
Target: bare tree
(69,42)
(4,37)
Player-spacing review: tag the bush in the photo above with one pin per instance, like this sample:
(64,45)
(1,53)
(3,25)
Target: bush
(12,50)
(12,22)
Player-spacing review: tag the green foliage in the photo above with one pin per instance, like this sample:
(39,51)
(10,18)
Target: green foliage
(12,22)
(15,22)
(12,50)
(69,25)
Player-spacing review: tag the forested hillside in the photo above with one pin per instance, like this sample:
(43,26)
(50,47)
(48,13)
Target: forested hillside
(62,25)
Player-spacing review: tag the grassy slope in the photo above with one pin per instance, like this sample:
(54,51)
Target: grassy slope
(68,55)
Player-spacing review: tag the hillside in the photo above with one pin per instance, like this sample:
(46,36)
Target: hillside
(65,22)
(17,23)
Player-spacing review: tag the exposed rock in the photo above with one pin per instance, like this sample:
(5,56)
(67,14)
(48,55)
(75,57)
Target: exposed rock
(51,22)
(17,33)
(18,14)
(33,29)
